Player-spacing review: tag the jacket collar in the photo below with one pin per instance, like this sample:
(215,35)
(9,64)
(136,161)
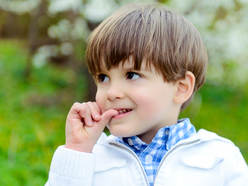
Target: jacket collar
(201,135)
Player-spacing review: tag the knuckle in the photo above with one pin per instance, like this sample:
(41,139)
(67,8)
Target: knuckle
(76,104)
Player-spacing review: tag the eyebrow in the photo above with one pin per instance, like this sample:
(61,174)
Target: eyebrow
(129,68)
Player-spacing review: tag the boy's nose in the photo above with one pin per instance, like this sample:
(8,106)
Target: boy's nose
(115,92)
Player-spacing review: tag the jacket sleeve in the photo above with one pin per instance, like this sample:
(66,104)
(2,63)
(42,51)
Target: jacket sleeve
(238,171)
(71,167)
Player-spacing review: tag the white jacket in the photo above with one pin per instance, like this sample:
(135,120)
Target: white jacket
(204,159)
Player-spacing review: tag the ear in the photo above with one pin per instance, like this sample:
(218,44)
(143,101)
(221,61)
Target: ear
(184,88)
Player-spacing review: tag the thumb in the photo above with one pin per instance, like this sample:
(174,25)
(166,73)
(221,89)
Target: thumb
(107,116)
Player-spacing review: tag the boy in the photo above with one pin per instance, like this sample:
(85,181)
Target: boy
(147,62)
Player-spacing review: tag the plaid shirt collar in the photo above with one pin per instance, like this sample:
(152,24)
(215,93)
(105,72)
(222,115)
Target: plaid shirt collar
(168,136)
(150,155)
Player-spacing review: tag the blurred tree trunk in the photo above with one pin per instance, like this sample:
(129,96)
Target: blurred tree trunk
(91,83)
(33,35)
(9,24)
(91,87)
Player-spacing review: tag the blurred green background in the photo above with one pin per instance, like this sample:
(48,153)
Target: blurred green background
(42,73)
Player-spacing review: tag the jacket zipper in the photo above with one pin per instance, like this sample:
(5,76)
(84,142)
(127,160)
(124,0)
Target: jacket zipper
(134,155)
(171,151)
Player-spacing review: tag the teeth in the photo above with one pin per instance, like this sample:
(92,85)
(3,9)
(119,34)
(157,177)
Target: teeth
(124,111)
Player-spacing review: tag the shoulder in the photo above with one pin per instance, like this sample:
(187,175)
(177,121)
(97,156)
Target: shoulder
(212,144)
(208,147)
(213,138)
(227,152)
(205,135)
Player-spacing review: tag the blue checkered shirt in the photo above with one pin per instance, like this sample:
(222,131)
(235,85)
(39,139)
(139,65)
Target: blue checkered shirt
(152,154)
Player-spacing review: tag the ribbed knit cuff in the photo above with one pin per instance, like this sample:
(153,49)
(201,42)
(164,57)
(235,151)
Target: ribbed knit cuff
(73,164)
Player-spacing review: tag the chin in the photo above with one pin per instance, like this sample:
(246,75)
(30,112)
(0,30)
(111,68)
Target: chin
(118,132)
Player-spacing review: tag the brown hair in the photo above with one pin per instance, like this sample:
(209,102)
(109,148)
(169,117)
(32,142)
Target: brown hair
(161,36)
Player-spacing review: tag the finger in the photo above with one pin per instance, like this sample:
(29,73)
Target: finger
(85,113)
(77,111)
(107,116)
(95,110)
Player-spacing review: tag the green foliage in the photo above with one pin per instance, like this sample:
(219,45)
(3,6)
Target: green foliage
(32,114)
(33,110)
(223,110)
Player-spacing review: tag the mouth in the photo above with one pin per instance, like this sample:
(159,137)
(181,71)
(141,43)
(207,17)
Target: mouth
(124,111)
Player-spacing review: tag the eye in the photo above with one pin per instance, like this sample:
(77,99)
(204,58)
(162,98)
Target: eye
(133,75)
(102,78)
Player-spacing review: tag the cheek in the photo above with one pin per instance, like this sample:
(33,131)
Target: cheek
(99,99)
(97,96)
(150,108)
(147,103)
(151,103)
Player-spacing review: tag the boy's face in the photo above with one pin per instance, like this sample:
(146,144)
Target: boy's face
(144,100)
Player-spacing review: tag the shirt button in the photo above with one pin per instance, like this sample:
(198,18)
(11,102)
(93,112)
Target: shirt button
(130,141)
(148,158)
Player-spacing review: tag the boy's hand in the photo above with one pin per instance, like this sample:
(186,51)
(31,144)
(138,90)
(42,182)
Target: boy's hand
(84,125)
